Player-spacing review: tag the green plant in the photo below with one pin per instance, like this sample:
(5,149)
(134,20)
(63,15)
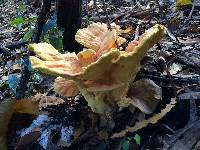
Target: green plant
(51,34)
(127,142)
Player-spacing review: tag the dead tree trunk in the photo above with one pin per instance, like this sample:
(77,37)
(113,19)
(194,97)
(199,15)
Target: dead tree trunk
(42,18)
(69,18)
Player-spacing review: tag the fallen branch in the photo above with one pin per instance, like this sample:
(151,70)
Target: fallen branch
(193,5)
(5,49)
(144,123)
(184,139)
(125,15)
(166,79)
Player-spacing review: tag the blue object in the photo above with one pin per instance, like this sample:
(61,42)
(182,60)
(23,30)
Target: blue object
(50,24)
(25,62)
(13,82)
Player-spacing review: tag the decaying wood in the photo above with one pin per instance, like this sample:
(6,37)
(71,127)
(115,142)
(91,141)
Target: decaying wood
(69,18)
(5,49)
(165,79)
(42,18)
(141,124)
(184,139)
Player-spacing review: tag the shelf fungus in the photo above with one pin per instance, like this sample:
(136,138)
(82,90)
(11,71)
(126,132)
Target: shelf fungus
(102,72)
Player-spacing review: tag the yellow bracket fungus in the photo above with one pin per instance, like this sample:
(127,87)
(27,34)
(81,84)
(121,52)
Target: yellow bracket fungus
(102,73)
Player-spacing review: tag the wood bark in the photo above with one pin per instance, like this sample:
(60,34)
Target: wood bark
(42,18)
(69,18)
(185,139)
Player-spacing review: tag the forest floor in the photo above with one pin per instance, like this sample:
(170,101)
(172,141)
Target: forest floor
(62,122)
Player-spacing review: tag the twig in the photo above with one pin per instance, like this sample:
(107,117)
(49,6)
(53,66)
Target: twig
(137,31)
(16,44)
(5,49)
(134,14)
(165,79)
(69,18)
(124,15)
(167,127)
(188,62)
(193,5)
(171,35)
(184,60)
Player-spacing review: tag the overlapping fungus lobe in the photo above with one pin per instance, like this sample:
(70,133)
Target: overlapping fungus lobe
(132,45)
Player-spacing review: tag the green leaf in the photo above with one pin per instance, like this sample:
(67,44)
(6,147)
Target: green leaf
(137,139)
(3,84)
(18,21)
(126,145)
(28,34)
(180,3)
(45,38)
(50,24)
(33,19)
(36,77)
(56,41)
